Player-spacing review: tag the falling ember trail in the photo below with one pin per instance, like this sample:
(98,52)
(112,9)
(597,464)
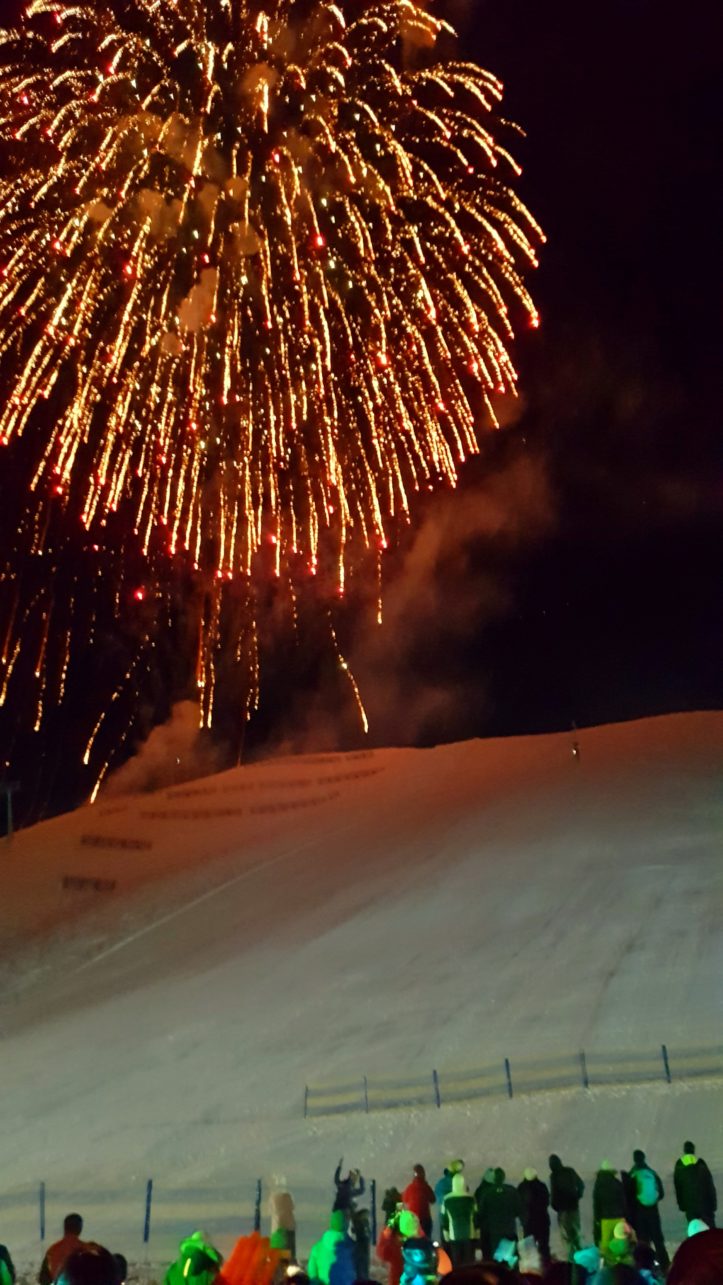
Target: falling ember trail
(259,272)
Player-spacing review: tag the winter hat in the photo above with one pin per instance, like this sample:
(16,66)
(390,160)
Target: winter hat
(408,1224)
(555,1163)
(529,1175)
(589,1258)
(695,1226)
(699,1260)
(606,1167)
(638,1157)
(121,1269)
(91,1265)
(459,1186)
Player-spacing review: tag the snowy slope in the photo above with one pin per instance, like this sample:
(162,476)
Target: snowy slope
(310,920)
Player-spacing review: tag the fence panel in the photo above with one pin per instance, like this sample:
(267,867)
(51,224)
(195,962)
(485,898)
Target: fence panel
(625,1068)
(583,1069)
(691,1064)
(467,1086)
(385,1092)
(334,1099)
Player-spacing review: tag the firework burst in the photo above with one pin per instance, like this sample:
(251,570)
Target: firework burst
(260,264)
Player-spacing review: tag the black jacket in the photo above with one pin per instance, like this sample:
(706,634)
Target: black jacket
(498,1210)
(345,1193)
(608,1199)
(566,1189)
(694,1188)
(534,1205)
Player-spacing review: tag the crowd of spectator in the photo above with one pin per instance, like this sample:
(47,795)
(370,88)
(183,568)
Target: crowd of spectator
(498,1234)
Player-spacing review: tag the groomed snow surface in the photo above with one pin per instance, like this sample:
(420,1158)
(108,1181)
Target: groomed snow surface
(312,920)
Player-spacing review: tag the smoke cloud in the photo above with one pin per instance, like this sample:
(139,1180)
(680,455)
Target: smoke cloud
(175,751)
(450,587)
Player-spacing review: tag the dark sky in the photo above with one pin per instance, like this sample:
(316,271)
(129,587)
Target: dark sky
(593,589)
(576,574)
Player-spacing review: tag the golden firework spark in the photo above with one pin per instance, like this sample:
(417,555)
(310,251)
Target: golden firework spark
(259,272)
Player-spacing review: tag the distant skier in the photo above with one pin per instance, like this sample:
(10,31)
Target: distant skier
(694,1187)
(347,1189)
(535,1212)
(566,1190)
(458,1213)
(608,1206)
(419,1197)
(645,1191)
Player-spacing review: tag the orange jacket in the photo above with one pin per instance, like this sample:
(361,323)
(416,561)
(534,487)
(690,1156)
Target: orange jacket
(56,1256)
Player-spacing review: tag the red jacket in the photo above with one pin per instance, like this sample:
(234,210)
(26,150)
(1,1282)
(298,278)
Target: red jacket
(418,1197)
(55,1258)
(389,1251)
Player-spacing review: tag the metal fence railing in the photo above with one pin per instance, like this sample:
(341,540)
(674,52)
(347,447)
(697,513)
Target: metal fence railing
(509,1077)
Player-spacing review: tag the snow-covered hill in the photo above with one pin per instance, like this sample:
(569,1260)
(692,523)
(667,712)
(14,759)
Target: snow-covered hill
(310,920)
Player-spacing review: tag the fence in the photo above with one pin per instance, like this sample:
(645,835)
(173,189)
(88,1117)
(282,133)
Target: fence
(147,1218)
(507,1077)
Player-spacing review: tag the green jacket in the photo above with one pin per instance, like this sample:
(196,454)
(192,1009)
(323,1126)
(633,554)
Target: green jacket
(198,1263)
(458,1216)
(332,1254)
(7,1271)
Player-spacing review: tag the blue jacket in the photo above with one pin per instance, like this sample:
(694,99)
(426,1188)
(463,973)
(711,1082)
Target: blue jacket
(443,1188)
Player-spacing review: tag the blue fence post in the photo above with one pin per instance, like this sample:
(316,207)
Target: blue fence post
(437,1094)
(666,1063)
(147,1218)
(366,1097)
(257,1206)
(583,1070)
(306,1100)
(373,1194)
(41,1204)
(508,1074)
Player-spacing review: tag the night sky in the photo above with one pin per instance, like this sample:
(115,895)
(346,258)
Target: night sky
(597,596)
(575,576)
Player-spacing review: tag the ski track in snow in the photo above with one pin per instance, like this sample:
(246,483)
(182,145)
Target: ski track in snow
(380,914)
